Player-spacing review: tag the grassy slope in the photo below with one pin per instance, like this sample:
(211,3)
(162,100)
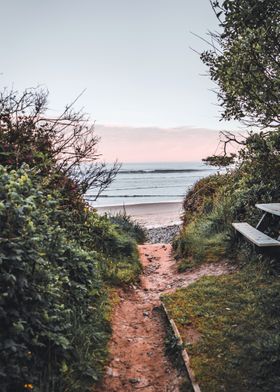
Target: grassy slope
(238,315)
(239,345)
(203,237)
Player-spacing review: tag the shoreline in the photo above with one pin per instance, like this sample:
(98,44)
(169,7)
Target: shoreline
(145,203)
(150,215)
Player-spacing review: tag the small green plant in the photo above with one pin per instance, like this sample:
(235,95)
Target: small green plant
(126,224)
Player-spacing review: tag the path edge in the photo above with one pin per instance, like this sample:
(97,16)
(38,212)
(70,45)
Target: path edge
(184,354)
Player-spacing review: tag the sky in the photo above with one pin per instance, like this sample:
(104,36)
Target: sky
(179,144)
(134,61)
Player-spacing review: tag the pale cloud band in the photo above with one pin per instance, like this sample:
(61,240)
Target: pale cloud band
(152,144)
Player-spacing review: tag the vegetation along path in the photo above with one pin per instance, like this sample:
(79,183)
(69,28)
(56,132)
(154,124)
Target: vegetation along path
(138,361)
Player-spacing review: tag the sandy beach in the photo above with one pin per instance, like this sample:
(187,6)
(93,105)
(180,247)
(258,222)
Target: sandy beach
(149,214)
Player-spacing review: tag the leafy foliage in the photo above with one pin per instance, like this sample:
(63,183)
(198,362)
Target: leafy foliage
(63,148)
(220,160)
(215,202)
(58,259)
(244,60)
(53,297)
(236,315)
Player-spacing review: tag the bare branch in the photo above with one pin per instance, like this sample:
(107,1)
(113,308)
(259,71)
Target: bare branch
(67,143)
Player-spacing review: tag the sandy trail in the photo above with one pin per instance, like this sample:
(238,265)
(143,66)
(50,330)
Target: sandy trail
(137,346)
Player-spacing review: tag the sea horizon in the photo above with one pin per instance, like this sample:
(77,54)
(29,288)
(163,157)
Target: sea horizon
(151,182)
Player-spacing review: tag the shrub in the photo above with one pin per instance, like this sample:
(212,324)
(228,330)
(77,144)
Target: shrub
(200,198)
(207,217)
(53,308)
(215,202)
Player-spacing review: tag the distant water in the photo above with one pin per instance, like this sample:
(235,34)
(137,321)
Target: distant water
(152,183)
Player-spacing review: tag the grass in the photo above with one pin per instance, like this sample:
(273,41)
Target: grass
(196,244)
(239,347)
(205,236)
(174,351)
(131,227)
(123,270)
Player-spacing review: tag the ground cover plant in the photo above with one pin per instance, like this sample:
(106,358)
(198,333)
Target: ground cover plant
(237,318)
(59,260)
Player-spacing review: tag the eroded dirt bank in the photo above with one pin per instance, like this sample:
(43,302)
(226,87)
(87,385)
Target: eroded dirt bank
(137,345)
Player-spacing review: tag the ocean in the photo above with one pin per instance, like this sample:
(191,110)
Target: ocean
(138,183)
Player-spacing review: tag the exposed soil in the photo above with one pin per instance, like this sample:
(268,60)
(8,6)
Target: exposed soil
(137,345)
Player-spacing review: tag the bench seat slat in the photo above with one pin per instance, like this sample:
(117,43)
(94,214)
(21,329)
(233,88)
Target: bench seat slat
(272,208)
(254,235)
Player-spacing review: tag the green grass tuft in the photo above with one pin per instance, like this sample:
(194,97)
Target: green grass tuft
(239,347)
(128,225)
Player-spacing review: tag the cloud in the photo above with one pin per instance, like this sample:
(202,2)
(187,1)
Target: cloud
(152,144)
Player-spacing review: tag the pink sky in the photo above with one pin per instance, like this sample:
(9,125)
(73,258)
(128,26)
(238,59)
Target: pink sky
(151,144)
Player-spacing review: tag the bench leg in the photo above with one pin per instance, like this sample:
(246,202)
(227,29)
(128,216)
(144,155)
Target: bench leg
(261,222)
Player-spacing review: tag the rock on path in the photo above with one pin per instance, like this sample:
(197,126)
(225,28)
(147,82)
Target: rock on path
(163,234)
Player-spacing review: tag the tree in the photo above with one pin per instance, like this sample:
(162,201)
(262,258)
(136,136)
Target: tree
(244,60)
(64,148)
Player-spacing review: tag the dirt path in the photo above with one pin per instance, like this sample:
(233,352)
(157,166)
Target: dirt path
(137,345)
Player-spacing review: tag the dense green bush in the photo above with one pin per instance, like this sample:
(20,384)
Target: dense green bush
(217,201)
(59,260)
(243,60)
(54,267)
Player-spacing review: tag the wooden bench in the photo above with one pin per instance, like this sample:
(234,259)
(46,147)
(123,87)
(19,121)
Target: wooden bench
(271,208)
(256,236)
